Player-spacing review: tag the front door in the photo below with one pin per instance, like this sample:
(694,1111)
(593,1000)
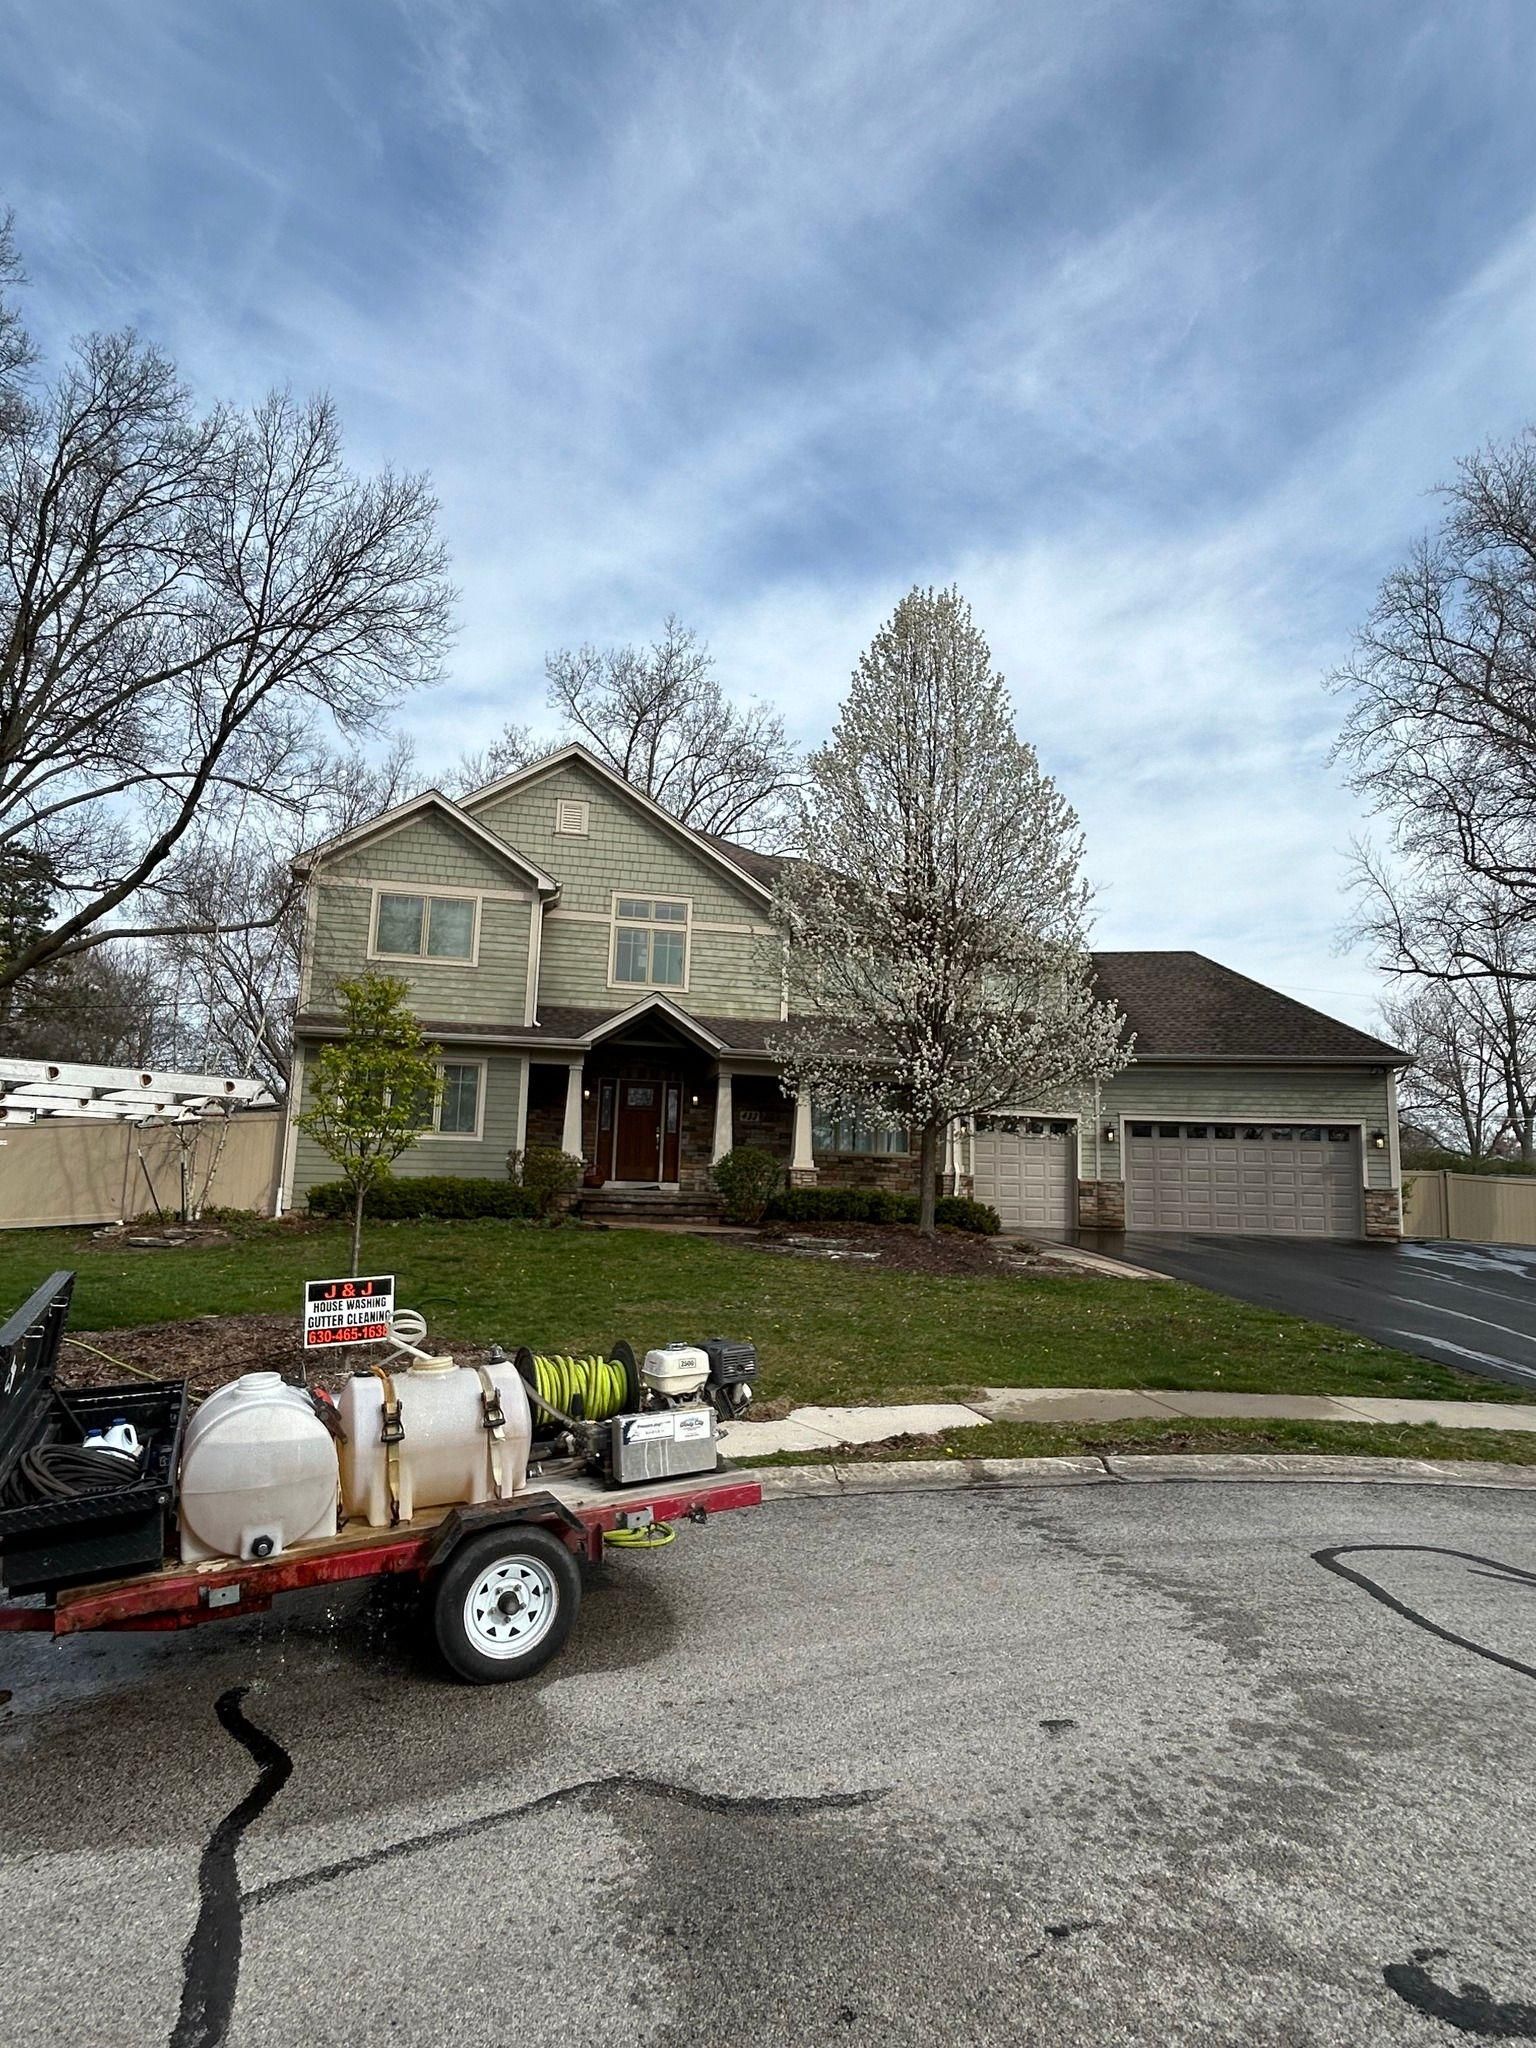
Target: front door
(637,1136)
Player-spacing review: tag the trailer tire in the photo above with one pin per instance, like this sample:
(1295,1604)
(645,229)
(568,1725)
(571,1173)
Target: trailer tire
(504,1603)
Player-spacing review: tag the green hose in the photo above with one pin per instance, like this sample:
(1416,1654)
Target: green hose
(599,1385)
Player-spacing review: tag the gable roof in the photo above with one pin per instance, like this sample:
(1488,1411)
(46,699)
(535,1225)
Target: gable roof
(1185,1006)
(430,800)
(720,851)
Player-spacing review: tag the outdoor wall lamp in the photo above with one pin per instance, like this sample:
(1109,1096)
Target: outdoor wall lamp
(1111,1135)
(1379,1141)
(586,1094)
(694,1100)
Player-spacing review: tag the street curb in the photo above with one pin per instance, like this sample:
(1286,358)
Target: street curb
(961,1475)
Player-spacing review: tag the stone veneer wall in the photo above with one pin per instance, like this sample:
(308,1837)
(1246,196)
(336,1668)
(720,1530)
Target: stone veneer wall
(1383,1213)
(1100,1205)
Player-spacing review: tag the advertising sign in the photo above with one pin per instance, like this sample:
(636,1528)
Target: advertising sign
(348,1311)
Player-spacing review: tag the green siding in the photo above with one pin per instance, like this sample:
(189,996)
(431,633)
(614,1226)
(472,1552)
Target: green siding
(1235,1094)
(730,973)
(484,1158)
(425,854)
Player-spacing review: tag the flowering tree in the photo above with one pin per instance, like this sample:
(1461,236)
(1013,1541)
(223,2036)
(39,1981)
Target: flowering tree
(373,1091)
(934,923)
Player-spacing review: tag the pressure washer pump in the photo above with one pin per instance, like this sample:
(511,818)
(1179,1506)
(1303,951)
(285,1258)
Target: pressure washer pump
(629,1420)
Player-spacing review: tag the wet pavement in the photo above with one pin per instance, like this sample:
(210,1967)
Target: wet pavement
(1121,1764)
(1471,1307)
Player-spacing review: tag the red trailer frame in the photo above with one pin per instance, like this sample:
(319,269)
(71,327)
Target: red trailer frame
(181,1596)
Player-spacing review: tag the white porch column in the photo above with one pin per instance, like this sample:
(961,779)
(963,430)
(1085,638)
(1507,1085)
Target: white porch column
(802,1158)
(723,1119)
(570,1136)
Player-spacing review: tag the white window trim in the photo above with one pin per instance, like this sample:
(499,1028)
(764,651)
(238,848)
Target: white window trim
(423,959)
(676,988)
(432,1135)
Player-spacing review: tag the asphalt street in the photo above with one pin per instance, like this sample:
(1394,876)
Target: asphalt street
(1110,1764)
(1469,1306)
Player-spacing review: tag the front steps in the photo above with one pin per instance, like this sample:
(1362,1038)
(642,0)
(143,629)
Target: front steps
(646,1205)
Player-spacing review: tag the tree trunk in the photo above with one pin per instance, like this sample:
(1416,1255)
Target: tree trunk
(357,1234)
(928,1170)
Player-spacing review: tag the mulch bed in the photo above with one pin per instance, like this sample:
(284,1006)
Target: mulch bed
(892,1248)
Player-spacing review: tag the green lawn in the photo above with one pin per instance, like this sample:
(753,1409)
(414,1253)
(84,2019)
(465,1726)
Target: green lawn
(1094,1439)
(825,1332)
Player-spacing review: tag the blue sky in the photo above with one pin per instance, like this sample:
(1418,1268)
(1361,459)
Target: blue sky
(1149,324)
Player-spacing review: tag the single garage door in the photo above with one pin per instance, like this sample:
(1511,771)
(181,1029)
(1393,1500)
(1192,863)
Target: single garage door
(1288,1180)
(1027,1169)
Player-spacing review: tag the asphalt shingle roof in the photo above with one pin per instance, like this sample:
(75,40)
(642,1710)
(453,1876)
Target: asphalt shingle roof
(1184,1006)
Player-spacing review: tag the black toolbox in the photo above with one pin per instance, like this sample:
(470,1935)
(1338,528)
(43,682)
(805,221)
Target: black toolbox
(47,1544)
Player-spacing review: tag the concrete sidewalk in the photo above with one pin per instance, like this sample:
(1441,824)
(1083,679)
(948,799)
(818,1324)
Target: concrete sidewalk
(820,1429)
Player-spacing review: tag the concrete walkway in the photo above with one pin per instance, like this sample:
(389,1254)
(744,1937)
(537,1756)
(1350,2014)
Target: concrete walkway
(820,1429)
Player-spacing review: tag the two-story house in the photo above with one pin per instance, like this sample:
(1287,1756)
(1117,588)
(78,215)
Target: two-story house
(602,978)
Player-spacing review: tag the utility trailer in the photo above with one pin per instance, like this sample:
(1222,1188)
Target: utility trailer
(500,1580)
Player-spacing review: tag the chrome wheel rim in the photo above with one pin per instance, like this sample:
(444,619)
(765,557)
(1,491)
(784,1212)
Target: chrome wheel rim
(510,1607)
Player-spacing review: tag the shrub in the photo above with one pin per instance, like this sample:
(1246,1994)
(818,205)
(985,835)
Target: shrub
(546,1174)
(747,1178)
(454,1196)
(879,1205)
(959,1212)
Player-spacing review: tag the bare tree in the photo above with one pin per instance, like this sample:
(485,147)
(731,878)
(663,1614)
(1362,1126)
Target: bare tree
(1455,1091)
(189,604)
(514,747)
(659,716)
(1441,729)
(935,925)
(229,979)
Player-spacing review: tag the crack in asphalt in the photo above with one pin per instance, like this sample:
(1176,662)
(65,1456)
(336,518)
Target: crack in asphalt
(210,1962)
(620,1782)
(211,1957)
(1493,1567)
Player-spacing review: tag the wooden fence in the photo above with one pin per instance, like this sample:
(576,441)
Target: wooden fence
(90,1171)
(1474,1208)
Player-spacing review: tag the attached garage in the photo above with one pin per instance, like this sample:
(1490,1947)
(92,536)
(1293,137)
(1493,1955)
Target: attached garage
(1026,1167)
(1285,1180)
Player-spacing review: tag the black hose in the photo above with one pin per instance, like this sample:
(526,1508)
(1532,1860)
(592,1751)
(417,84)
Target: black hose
(66,1471)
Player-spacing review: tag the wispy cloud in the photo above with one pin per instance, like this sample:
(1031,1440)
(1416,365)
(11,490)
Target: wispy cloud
(1150,326)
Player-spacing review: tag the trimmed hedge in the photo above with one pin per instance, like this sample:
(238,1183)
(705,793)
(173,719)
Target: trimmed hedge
(879,1205)
(404,1198)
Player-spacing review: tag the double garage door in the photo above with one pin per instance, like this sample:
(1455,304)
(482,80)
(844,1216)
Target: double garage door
(1285,1180)
(1027,1170)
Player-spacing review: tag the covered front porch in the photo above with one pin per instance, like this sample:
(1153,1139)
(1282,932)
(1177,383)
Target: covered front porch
(655,1100)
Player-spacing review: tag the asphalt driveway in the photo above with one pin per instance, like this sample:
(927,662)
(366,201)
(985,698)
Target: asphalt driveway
(1143,1764)
(1464,1305)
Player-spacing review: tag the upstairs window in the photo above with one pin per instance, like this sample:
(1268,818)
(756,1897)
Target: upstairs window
(424,927)
(857,1134)
(650,942)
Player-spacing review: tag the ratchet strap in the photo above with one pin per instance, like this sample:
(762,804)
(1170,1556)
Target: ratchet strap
(495,1426)
(391,1435)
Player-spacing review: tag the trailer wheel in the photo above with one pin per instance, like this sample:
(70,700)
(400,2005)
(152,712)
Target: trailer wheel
(504,1604)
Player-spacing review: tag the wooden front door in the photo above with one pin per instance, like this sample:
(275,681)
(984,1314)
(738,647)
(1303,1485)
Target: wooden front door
(637,1132)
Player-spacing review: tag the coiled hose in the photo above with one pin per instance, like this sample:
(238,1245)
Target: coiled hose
(65,1471)
(580,1390)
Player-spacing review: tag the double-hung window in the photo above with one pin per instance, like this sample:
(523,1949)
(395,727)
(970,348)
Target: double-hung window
(455,1110)
(650,942)
(409,927)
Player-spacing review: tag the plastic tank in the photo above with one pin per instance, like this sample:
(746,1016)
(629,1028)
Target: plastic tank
(258,1472)
(444,1456)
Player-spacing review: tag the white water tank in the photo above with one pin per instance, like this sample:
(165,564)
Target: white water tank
(258,1472)
(444,1455)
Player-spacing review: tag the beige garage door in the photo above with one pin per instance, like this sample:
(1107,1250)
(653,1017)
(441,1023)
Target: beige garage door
(1286,1180)
(1027,1170)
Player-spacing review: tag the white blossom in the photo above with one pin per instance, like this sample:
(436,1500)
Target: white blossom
(935,920)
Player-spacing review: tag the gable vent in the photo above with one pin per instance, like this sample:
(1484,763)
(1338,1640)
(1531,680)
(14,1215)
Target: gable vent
(571,814)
